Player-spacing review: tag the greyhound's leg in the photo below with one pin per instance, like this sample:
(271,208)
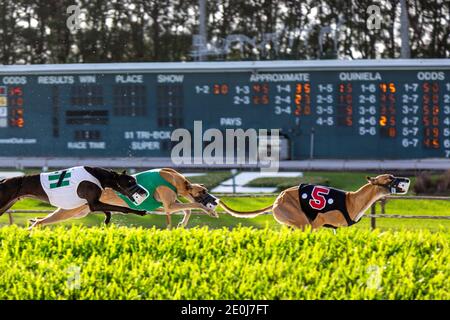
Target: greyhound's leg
(169,201)
(109,196)
(171,204)
(107,217)
(92,193)
(334,218)
(61,215)
(184,222)
(288,216)
(169,220)
(100,206)
(166,196)
(7,206)
(186,206)
(16,188)
(7,199)
(187,213)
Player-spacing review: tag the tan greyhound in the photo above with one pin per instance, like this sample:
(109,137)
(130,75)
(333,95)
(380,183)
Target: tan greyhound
(319,206)
(163,186)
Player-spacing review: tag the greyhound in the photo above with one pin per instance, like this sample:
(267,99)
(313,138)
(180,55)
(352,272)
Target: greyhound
(320,206)
(71,188)
(163,187)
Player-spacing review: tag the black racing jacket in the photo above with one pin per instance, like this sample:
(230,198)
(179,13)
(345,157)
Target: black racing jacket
(315,199)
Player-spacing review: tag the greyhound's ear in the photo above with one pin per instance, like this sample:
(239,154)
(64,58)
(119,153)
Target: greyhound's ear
(114,173)
(201,184)
(124,172)
(369,179)
(188,185)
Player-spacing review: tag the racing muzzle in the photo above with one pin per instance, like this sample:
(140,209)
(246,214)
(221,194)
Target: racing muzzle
(137,194)
(399,186)
(207,200)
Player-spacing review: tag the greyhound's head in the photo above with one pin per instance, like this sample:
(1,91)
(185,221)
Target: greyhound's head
(392,184)
(128,186)
(201,195)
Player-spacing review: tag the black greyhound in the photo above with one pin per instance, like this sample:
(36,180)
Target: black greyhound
(29,186)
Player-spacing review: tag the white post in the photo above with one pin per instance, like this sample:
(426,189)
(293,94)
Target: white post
(311,146)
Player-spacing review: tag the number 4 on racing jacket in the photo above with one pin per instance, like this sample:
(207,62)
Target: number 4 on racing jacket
(319,199)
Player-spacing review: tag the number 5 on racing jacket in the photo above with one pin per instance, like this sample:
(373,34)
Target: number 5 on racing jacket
(316,199)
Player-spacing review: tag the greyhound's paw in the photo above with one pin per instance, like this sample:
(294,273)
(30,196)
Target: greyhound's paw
(34,221)
(212,213)
(33,224)
(142,213)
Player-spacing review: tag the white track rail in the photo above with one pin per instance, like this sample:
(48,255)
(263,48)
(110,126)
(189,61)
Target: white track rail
(292,165)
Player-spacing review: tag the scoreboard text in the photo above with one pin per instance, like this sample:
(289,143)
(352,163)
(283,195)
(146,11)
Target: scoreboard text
(341,111)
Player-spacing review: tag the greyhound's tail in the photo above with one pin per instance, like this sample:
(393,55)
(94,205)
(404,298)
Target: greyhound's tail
(244,214)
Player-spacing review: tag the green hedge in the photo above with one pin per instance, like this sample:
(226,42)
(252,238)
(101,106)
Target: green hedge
(244,263)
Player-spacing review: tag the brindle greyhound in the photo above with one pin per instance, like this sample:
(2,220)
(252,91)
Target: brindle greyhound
(30,186)
(287,208)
